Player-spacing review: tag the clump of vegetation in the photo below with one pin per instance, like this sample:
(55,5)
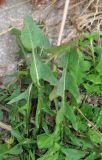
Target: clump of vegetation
(50,113)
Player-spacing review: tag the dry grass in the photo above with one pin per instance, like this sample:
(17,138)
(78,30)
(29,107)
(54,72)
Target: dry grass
(90,19)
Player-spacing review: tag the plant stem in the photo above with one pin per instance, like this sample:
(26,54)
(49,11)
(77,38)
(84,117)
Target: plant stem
(34,61)
(92,51)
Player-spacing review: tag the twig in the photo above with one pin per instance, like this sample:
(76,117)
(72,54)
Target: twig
(9,29)
(6,31)
(91,123)
(90,2)
(63,21)
(95,14)
(77,4)
(5,126)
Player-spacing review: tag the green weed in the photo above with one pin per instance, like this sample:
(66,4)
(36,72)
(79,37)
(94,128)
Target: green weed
(50,113)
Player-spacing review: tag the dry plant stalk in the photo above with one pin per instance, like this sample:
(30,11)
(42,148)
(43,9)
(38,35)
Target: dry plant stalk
(89,20)
(89,122)
(5,126)
(63,21)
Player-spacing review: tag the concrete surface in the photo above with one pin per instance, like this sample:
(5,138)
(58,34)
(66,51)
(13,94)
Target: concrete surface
(8,46)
